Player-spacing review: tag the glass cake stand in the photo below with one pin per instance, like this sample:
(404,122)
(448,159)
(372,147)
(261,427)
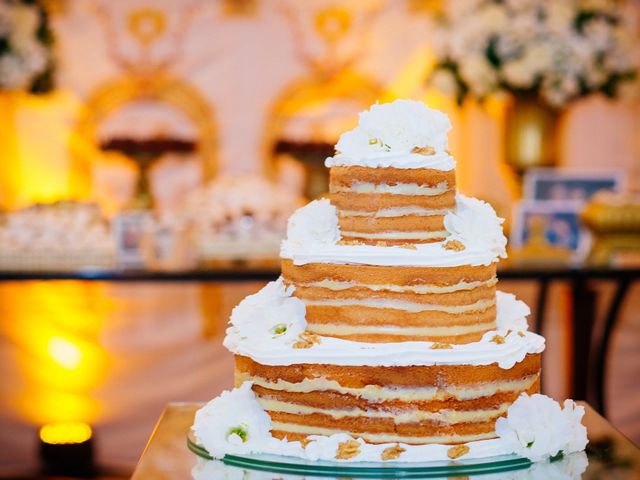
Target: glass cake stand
(319,468)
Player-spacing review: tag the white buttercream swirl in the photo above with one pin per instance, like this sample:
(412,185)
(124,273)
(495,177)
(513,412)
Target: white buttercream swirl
(511,313)
(475,224)
(273,315)
(399,127)
(234,422)
(314,225)
(537,427)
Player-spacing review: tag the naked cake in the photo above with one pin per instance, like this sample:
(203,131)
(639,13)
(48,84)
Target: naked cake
(385,337)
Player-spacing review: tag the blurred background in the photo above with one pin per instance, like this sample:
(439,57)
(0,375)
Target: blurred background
(151,152)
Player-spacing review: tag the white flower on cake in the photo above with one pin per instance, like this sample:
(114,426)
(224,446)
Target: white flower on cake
(234,422)
(537,427)
(314,224)
(511,313)
(272,314)
(399,126)
(475,224)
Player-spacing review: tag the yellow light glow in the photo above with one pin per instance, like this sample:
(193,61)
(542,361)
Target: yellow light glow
(65,353)
(65,433)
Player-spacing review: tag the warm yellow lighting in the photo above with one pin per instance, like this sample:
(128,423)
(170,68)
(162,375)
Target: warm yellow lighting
(65,433)
(65,353)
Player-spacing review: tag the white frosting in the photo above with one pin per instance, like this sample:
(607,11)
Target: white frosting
(273,315)
(386,135)
(537,427)
(313,235)
(475,224)
(440,161)
(234,422)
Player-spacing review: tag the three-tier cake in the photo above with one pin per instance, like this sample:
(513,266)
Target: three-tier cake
(385,337)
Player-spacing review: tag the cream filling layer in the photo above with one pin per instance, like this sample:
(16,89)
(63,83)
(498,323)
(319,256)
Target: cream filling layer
(393,212)
(395,189)
(444,417)
(399,235)
(377,393)
(379,437)
(447,331)
(337,286)
(412,307)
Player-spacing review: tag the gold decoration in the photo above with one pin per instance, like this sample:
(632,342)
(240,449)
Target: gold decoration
(348,449)
(391,453)
(531,135)
(614,221)
(457,451)
(147,25)
(332,23)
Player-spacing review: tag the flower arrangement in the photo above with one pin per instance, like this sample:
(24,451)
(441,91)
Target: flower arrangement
(26,61)
(559,51)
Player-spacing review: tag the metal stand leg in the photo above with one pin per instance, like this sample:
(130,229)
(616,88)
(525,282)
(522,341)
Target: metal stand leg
(602,348)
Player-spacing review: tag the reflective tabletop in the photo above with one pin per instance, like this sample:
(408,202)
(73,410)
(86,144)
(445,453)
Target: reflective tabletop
(609,455)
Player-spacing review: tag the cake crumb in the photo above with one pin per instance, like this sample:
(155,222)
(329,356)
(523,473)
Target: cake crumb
(454,245)
(349,242)
(348,449)
(498,339)
(304,442)
(381,244)
(521,333)
(306,340)
(392,453)
(410,246)
(457,451)
(441,346)
(424,150)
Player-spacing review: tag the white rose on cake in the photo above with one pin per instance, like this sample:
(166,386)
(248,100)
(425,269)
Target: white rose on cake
(234,422)
(315,223)
(511,313)
(399,126)
(537,427)
(271,315)
(475,224)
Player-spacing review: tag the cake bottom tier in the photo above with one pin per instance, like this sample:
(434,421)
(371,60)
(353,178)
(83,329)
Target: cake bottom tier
(446,404)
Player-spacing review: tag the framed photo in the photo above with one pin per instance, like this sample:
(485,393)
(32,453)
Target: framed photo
(552,225)
(129,229)
(564,184)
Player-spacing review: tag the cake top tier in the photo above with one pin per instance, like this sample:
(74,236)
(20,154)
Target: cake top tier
(400,134)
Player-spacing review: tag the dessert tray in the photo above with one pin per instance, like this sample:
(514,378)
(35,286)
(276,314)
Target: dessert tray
(323,468)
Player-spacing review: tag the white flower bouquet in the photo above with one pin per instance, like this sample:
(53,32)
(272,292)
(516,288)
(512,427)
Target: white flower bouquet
(26,61)
(557,50)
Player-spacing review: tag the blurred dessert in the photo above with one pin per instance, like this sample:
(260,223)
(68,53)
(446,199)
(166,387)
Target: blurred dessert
(65,235)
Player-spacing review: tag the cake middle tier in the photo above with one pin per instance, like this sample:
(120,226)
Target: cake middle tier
(390,205)
(368,303)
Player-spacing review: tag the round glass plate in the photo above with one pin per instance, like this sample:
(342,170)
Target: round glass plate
(299,466)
